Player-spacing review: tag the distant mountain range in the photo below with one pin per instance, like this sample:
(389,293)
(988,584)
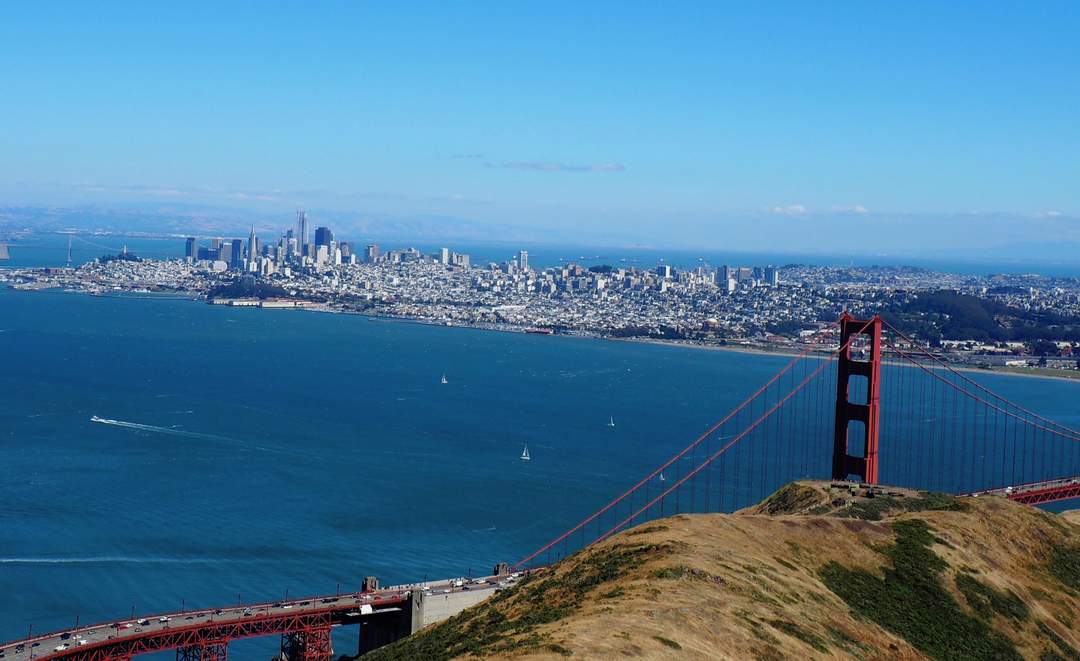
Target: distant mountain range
(185,219)
(999,242)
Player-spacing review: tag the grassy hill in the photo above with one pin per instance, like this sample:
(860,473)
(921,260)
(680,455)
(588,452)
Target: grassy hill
(812,572)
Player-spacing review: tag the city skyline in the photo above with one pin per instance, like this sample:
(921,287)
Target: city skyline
(339,330)
(710,126)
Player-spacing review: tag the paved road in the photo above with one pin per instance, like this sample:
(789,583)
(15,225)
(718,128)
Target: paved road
(1033,486)
(64,642)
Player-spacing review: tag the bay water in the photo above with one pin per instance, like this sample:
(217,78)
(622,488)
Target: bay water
(247,452)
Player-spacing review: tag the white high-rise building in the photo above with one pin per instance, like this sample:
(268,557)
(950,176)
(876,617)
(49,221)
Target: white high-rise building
(253,249)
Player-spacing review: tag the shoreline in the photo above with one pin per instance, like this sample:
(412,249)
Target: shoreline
(782,352)
(790,353)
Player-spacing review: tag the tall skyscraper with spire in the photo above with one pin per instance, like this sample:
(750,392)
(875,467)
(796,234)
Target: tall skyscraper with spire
(302,229)
(253,249)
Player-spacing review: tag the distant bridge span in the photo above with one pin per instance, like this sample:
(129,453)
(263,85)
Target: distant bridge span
(1039,493)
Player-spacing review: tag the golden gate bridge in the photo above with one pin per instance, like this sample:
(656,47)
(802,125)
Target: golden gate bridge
(878,409)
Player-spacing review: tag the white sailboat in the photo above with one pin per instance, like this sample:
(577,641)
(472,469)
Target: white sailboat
(611,421)
(444,381)
(662,478)
(525,453)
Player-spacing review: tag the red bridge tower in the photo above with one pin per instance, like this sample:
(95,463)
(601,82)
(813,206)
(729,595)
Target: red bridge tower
(867,365)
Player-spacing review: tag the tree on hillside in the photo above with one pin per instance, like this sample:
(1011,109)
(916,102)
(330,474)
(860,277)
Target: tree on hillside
(1044,348)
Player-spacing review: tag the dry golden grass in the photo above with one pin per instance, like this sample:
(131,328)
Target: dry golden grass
(749,585)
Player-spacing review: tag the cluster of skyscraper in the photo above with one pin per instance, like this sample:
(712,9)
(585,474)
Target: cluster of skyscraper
(733,277)
(293,249)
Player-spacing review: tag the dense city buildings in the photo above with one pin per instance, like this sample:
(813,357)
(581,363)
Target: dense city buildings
(764,306)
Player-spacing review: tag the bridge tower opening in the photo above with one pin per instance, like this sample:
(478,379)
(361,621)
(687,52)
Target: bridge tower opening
(311,644)
(860,356)
(217,650)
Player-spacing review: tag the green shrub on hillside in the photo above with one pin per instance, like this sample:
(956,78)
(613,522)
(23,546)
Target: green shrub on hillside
(910,601)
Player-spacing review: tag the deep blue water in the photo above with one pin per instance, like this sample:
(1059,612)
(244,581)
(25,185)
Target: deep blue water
(297,450)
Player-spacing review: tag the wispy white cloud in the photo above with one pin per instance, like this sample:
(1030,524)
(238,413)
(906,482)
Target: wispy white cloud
(790,210)
(547,166)
(854,208)
(153,191)
(179,192)
(279,196)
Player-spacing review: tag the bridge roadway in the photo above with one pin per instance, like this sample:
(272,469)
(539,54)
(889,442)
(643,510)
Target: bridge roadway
(1037,493)
(119,640)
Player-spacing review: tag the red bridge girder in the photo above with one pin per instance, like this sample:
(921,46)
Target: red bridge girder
(1047,495)
(217,650)
(311,628)
(307,645)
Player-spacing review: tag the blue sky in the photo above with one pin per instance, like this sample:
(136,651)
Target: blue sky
(716,124)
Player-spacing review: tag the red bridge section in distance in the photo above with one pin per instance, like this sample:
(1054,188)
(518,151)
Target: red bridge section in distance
(1039,493)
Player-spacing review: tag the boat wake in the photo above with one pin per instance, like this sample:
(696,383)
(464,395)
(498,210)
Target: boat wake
(109,559)
(171,431)
(159,430)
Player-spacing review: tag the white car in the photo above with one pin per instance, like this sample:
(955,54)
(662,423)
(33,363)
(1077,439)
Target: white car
(163,619)
(61,647)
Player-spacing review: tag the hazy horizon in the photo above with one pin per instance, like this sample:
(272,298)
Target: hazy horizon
(854,129)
